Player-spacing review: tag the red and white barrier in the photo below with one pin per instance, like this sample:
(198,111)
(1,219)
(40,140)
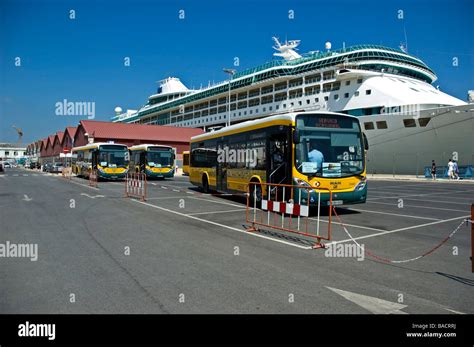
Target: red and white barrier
(278,210)
(287,207)
(135,186)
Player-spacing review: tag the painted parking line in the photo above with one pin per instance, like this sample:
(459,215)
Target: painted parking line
(218,202)
(351,225)
(438,202)
(409,195)
(214,212)
(392,214)
(417,206)
(397,230)
(221,225)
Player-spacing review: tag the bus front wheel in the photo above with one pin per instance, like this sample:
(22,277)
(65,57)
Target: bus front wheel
(205,184)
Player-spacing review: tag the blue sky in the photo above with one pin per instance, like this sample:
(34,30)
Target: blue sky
(83,59)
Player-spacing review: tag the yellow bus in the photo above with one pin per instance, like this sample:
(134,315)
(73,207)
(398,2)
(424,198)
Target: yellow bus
(186,163)
(156,161)
(317,149)
(109,159)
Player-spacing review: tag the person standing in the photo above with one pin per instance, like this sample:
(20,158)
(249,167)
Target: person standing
(455,170)
(433,170)
(451,169)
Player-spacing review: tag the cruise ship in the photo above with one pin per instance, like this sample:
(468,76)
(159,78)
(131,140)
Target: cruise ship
(408,121)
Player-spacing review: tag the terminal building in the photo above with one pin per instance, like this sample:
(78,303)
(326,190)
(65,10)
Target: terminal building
(49,149)
(12,152)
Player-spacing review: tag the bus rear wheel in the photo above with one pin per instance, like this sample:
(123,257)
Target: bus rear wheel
(255,194)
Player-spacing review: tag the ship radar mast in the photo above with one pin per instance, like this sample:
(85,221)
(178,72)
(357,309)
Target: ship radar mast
(287,50)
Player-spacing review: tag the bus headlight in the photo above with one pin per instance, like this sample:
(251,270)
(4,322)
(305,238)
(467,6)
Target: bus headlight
(300,182)
(361,185)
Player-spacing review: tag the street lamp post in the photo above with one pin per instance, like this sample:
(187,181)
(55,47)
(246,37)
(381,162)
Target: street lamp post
(231,73)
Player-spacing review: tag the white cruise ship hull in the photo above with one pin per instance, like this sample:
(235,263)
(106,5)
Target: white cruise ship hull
(404,150)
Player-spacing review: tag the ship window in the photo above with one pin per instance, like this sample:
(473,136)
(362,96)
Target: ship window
(270,108)
(264,109)
(359,80)
(316,100)
(381,124)
(368,92)
(424,121)
(356,93)
(348,83)
(336,96)
(409,123)
(416,90)
(326,98)
(369,125)
(300,103)
(284,105)
(277,107)
(346,95)
(307,101)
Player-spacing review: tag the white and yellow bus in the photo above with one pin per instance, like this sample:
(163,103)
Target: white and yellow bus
(317,149)
(186,163)
(156,161)
(109,159)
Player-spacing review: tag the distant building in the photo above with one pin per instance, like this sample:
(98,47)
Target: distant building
(51,148)
(90,131)
(12,151)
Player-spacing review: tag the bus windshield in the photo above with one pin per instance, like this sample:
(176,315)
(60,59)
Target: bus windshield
(113,157)
(160,158)
(329,146)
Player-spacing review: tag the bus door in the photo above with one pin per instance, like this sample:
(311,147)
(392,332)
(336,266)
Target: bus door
(221,167)
(95,158)
(143,161)
(280,160)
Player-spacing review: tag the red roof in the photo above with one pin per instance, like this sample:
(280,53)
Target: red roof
(109,130)
(44,142)
(51,140)
(60,135)
(71,131)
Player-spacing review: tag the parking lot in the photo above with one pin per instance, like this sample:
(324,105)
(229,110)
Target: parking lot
(182,251)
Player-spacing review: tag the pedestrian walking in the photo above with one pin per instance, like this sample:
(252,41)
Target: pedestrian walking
(451,169)
(433,170)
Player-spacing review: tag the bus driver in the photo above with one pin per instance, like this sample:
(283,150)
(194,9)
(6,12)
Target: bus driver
(315,156)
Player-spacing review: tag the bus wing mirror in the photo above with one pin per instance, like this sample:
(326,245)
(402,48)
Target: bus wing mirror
(366,142)
(296,136)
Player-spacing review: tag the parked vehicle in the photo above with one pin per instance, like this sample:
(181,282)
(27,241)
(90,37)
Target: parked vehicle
(56,168)
(46,167)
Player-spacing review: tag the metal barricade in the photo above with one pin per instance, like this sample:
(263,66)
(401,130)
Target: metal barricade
(135,186)
(286,207)
(93,178)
